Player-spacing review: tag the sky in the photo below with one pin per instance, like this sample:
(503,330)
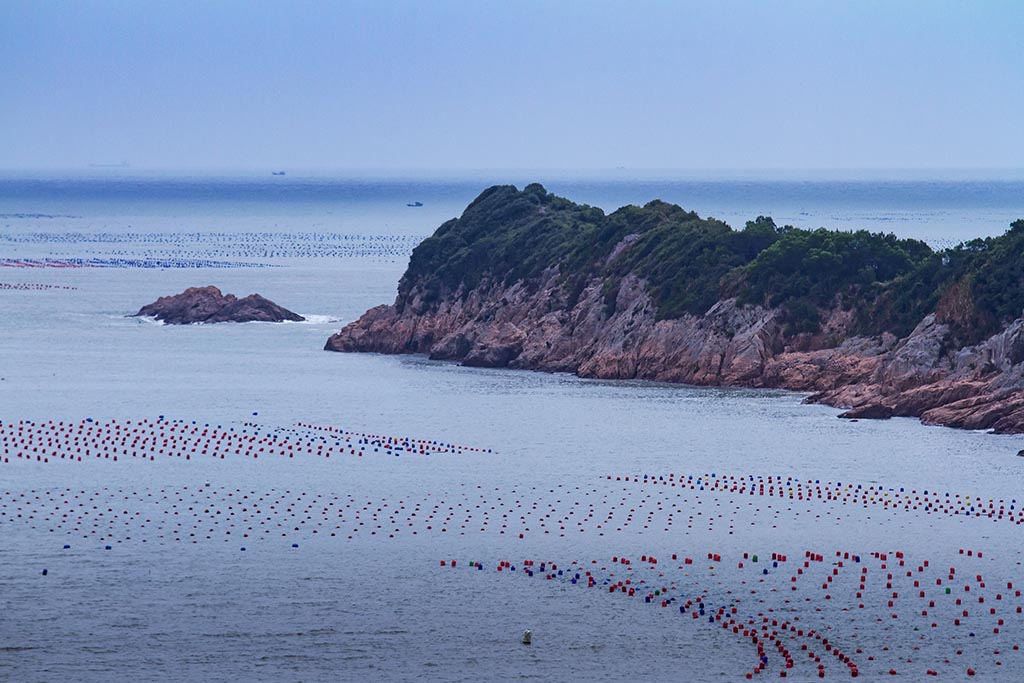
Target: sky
(382,85)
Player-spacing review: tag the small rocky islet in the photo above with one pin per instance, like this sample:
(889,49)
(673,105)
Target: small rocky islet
(208,305)
(864,321)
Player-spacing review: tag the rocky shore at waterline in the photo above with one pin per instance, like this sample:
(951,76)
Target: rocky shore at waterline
(208,305)
(486,291)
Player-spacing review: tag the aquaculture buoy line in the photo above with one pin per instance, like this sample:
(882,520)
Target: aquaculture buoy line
(206,513)
(396,443)
(837,493)
(32,287)
(776,606)
(97,262)
(51,441)
(24,215)
(961,609)
(221,245)
(686,505)
(38,263)
(520,512)
(54,441)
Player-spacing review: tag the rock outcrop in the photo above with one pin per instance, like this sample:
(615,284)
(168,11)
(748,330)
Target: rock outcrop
(611,329)
(870,411)
(209,305)
(977,387)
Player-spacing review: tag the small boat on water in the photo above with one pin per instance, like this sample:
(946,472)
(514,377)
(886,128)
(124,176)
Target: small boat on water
(414,204)
(277,173)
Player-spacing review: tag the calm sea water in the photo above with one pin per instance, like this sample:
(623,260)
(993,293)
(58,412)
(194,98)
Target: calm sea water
(176,599)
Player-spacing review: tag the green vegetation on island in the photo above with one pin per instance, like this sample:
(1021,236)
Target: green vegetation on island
(689,263)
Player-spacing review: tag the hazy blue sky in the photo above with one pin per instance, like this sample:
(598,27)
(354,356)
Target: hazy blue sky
(385,85)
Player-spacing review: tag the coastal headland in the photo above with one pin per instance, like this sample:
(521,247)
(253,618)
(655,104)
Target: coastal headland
(864,321)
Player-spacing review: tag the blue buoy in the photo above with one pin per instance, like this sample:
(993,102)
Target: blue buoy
(45,572)
(243,548)
(66,546)
(295,545)
(106,547)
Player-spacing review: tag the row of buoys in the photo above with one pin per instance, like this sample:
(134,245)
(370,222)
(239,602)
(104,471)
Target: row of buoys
(204,512)
(38,263)
(819,632)
(32,215)
(752,484)
(215,510)
(46,441)
(222,245)
(557,511)
(458,515)
(667,593)
(32,286)
(893,498)
(147,440)
(390,442)
(148,263)
(192,514)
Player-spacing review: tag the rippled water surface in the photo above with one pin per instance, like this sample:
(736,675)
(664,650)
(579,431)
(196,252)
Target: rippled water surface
(345,523)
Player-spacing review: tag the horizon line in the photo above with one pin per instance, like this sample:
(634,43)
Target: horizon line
(467,172)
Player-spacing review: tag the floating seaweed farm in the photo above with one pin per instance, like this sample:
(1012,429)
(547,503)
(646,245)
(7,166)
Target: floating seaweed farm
(184,247)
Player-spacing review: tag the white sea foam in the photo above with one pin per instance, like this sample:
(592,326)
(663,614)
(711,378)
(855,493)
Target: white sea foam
(317,319)
(310,319)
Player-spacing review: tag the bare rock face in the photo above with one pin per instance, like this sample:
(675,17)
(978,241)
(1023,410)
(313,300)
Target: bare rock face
(494,325)
(208,305)
(872,411)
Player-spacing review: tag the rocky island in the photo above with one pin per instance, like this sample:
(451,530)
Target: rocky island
(868,322)
(208,305)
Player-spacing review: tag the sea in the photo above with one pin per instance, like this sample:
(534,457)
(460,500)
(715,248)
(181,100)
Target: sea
(233,503)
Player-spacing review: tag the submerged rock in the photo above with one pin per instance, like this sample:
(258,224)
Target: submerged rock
(209,305)
(873,411)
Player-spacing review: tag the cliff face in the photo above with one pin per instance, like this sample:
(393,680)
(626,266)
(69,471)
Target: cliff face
(593,330)
(978,387)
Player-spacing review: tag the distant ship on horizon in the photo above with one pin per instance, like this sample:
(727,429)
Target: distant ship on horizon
(277,173)
(414,204)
